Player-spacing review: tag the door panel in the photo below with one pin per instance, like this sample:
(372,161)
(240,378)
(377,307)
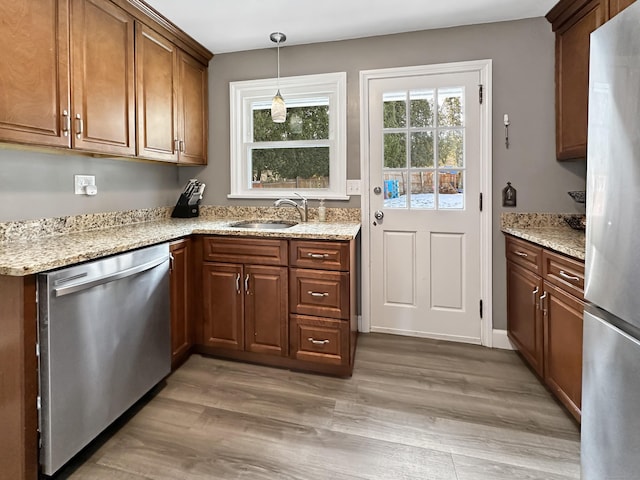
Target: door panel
(399,268)
(425,153)
(447,264)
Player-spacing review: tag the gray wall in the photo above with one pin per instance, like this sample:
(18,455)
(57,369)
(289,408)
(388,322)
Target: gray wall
(523,86)
(41,185)
(36,185)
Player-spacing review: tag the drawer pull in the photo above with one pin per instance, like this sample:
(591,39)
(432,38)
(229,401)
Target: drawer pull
(318,342)
(318,294)
(566,276)
(319,256)
(520,254)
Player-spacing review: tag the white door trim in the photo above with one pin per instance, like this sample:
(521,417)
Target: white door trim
(484,67)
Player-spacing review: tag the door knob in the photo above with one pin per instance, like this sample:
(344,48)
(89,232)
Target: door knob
(379,215)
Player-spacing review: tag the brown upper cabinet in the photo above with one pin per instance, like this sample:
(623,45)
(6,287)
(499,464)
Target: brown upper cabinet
(34,72)
(156,101)
(171,102)
(102,78)
(74,70)
(573,21)
(192,111)
(616,6)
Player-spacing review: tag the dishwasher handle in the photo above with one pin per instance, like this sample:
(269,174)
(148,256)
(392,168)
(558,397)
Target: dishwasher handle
(77,287)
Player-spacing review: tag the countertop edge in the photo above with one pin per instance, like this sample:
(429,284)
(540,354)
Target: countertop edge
(572,246)
(110,241)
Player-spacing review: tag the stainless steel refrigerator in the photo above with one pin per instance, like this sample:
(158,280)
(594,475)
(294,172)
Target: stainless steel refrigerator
(610,447)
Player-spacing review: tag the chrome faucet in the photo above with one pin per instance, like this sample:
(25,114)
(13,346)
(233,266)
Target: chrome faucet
(303,209)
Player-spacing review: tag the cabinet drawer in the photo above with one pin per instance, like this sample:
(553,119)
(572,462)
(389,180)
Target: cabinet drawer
(564,272)
(245,250)
(524,254)
(319,340)
(319,255)
(320,293)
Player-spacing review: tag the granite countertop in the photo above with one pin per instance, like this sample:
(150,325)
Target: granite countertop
(547,230)
(26,257)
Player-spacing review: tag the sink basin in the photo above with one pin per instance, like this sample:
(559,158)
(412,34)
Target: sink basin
(266,224)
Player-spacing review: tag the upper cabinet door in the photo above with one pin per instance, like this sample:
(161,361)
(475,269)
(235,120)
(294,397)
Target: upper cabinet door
(156,95)
(103,96)
(572,80)
(34,76)
(616,6)
(192,110)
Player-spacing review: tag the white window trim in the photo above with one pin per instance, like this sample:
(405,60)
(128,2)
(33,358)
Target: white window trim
(243,94)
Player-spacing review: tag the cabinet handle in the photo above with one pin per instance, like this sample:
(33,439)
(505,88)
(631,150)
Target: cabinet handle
(182,146)
(66,123)
(318,255)
(533,295)
(566,276)
(542,302)
(80,129)
(171,259)
(318,294)
(238,283)
(318,342)
(176,145)
(520,254)
(246,284)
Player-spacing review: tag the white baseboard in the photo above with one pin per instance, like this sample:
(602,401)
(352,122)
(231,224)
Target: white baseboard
(500,340)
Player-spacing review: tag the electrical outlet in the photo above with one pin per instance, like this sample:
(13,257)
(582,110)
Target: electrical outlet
(353,187)
(82,181)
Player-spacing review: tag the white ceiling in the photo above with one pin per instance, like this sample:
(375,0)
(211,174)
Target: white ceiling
(233,25)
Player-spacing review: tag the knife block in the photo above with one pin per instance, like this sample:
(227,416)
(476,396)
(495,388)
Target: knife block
(184,210)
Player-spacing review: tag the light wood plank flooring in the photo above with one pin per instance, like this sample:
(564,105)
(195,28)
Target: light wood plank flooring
(414,409)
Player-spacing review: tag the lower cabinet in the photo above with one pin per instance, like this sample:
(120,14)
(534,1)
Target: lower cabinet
(563,346)
(287,303)
(181,337)
(544,317)
(245,308)
(524,322)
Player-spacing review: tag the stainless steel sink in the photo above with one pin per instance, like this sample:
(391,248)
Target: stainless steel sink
(264,224)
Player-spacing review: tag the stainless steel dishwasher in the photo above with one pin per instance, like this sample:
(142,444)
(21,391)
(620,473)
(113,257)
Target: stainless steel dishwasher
(104,336)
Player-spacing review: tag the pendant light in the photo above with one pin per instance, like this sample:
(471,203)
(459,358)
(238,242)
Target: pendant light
(278,108)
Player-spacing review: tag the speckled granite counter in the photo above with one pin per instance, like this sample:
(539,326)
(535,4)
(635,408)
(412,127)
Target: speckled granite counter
(547,230)
(39,254)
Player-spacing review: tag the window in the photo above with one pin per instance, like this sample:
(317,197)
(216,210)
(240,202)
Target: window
(306,154)
(424,161)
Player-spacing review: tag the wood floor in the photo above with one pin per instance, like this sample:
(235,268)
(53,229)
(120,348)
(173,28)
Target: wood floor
(414,409)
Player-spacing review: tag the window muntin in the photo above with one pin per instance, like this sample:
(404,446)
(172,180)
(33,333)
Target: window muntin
(306,154)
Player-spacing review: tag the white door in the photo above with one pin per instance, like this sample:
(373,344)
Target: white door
(425,149)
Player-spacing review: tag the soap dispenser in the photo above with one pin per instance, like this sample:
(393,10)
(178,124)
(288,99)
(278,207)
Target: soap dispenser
(322,211)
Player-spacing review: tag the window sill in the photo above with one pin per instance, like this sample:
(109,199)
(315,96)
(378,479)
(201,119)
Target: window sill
(276,195)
